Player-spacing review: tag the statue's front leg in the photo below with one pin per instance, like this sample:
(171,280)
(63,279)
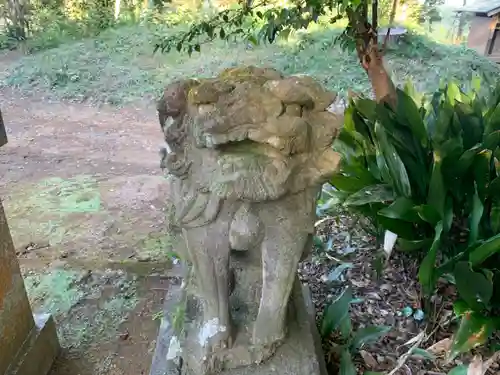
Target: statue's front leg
(208,249)
(281,253)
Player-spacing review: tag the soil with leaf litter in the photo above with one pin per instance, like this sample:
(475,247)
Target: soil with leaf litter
(385,293)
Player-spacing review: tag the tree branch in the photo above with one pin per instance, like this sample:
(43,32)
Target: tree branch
(391,23)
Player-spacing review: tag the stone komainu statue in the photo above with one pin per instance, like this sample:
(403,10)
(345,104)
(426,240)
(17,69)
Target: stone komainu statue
(247,152)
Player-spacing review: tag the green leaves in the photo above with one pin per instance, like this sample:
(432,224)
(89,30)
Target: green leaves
(402,209)
(427,272)
(485,250)
(437,191)
(346,365)
(371,194)
(430,173)
(475,217)
(336,312)
(473,331)
(408,111)
(459,370)
(368,335)
(395,167)
(475,289)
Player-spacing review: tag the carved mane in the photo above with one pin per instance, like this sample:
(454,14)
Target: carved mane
(252,135)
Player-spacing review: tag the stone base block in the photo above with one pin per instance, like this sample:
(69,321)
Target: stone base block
(39,350)
(301,353)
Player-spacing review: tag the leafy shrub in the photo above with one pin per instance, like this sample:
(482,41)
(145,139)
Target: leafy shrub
(337,320)
(429,172)
(51,29)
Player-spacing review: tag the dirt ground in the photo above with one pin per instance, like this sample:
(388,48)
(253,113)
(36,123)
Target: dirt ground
(85,197)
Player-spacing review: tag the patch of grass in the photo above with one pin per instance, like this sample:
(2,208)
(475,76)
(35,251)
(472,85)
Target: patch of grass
(118,66)
(157,246)
(85,306)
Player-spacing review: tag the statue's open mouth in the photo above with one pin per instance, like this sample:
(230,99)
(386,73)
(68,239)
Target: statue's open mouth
(249,147)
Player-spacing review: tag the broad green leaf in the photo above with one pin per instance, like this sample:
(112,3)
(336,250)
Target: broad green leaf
(382,167)
(475,217)
(471,125)
(441,130)
(336,273)
(380,193)
(367,108)
(459,370)
(494,188)
(337,198)
(492,140)
(346,365)
(448,214)
(403,229)
(368,335)
(437,190)
(336,312)
(349,125)
(449,265)
(396,168)
(485,250)
(347,141)
(427,272)
(401,209)
(460,307)
(410,90)
(345,327)
(473,287)
(474,330)
(408,110)
(371,161)
(465,160)
(318,243)
(409,245)
(428,213)
(495,214)
(482,172)
(351,183)
(453,93)
(476,82)
(493,120)
(361,126)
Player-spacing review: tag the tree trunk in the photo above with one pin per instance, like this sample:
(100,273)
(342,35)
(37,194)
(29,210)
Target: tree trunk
(117,9)
(382,85)
(371,57)
(461,24)
(17,16)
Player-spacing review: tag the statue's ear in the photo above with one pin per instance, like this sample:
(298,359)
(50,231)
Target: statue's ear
(174,99)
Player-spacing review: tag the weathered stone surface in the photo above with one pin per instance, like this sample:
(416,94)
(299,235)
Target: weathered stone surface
(16,320)
(20,333)
(300,354)
(40,349)
(3,132)
(247,153)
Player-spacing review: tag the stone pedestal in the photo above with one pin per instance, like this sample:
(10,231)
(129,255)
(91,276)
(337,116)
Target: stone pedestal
(300,354)
(3,133)
(28,344)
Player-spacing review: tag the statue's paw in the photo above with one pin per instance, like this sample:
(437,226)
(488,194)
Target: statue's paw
(220,341)
(267,338)
(214,349)
(214,336)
